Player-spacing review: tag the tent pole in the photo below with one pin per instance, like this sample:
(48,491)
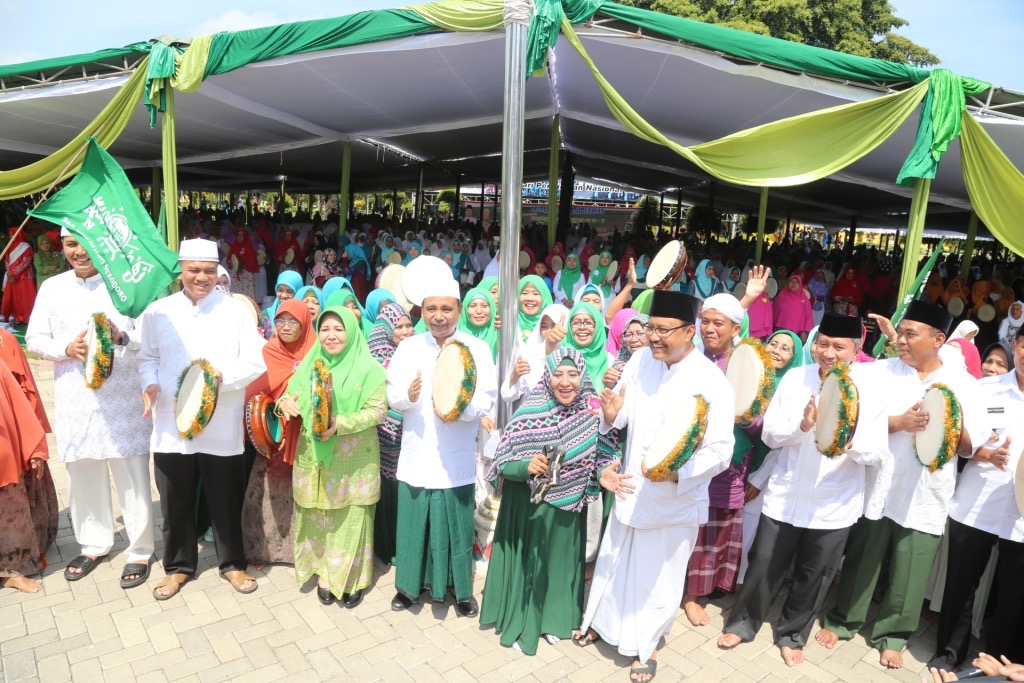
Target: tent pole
(511,185)
(972,232)
(565,195)
(762,214)
(915,229)
(157,189)
(419,194)
(679,211)
(346,179)
(553,182)
(170,169)
(457,209)
(851,237)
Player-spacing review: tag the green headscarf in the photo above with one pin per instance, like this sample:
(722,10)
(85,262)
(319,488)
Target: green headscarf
(355,375)
(487,283)
(528,322)
(760,448)
(340,297)
(597,275)
(594,353)
(570,276)
(486,332)
(642,303)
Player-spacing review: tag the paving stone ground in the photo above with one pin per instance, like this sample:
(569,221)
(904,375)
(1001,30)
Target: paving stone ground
(92,631)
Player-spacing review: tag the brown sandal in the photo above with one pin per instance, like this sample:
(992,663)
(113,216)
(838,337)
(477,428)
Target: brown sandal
(172,581)
(238,577)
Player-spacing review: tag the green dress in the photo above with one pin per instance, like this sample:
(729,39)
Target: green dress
(534,580)
(334,504)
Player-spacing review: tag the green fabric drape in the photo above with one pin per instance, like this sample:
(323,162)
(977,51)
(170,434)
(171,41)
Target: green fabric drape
(183,70)
(106,127)
(793,151)
(107,55)
(169,153)
(939,123)
(994,184)
(233,50)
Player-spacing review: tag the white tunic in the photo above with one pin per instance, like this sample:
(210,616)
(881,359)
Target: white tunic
(90,424)
(653,391)
(435,454)
(984,497)
(176,332)
(805,488)
(916,497)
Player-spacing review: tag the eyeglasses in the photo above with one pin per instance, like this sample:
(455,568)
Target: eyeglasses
(292,324)
(582,324)
(635,335)
(661,331)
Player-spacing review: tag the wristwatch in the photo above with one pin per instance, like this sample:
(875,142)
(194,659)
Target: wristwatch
(124,339)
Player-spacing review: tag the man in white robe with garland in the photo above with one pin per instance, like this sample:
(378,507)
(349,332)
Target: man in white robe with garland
(100,432)
(640,573)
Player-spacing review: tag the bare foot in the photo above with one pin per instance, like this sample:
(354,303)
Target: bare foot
(728,641)
(826,638)
(891,659)
(257,567)
(23,583)
(694,612)
(792,657)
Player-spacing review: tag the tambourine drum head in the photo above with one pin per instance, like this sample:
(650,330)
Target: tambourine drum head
(666,266)
(744,372)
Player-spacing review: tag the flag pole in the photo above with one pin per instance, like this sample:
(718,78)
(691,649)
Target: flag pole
(47,191)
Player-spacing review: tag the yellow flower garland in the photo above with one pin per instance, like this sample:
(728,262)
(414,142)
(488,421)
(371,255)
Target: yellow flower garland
(686,446)
(103,362)
(209,400)
(322,398)
(848,410)
(952,426)
(765,388)
(468,385)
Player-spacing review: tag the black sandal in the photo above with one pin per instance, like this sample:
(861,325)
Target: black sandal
(83,562)
(584,639)
(141,572)
(650,668)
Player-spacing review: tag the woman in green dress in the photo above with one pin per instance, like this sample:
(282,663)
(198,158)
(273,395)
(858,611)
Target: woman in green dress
(336,476)
(534,580)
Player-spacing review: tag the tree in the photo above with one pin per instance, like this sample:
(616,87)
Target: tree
(856,27)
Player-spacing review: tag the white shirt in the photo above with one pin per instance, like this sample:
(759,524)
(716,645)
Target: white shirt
(653,390)
(436,454)
(984,497)
(917,498)
(805,488)
(559,293)
(176,332)
(90,424)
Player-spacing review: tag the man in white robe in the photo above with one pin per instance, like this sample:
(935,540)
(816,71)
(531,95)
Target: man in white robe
(199,322)
(641,565)
(100,432)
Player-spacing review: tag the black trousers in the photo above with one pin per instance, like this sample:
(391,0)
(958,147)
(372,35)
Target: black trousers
(223,487)
(816,553)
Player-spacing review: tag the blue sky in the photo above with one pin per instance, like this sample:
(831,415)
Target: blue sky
(977,38)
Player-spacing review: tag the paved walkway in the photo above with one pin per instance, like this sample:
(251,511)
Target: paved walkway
(92,631)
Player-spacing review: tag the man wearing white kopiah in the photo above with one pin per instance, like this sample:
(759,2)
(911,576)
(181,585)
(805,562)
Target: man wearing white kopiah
(437,466)
(811,500)
(100,431)
(641,566)
(199,323)
(912,492)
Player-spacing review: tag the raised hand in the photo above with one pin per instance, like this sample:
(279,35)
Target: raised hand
(416,387)
(520,369)
(611,403)
(810,414)
(611,377)
(632,279)
(757,280)
(884,326)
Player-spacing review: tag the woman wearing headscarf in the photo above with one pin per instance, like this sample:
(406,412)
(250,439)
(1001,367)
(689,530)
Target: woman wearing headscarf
(387,242)
(392,327)
(642,264)
(533,298)
(704,281)
(327,268)
(761,316)
(730,280)
(20,288)
(358,269)
(268,507)
(288,283)
(534,583)
(957,287)
(336,477)
(847,295)
(933,289)
(997,359)
(460,258)
(568,281)
(979,293)
(477,318)
(599,277)
(969,356)
(792,307)
(592,295)
(376,299)
(623,319)
(311,298)
(284,244)
(529,357)
(347,298)
(819,295)
(558,249)
(49,259)
(244,253)
(1012,322)
(412,250)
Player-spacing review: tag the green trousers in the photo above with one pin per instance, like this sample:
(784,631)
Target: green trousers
(435,541)
(912,555)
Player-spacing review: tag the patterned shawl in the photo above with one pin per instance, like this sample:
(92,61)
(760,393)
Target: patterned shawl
(542,421)
(382,347)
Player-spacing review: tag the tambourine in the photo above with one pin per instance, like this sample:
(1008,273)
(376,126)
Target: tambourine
(556,264)
(524,260)
(613,270)
(263,426)
(838,410)
(667,266)
(390,278)
(752,376)
(99,358)
(936,444)
(678,439)
(454,381)
(195,399)
(955,307)
(322,398)
(289,256)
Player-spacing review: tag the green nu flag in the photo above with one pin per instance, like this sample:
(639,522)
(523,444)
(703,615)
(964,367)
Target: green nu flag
(913,293)
(100,208)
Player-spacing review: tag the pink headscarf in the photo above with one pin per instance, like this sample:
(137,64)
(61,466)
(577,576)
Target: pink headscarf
(617,328)
(971,356)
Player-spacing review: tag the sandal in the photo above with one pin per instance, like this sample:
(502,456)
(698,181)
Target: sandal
(172,581)
(238,577)
(141,572)
(83,562)
(651,667)
(584,639)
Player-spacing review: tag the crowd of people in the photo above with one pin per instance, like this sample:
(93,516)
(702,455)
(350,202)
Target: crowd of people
(368,466)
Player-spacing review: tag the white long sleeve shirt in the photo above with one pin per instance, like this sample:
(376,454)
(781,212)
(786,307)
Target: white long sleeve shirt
(89,424)
(218,329)
(805,488)
(984,497)
(653,391)
(436,454)
(916,497)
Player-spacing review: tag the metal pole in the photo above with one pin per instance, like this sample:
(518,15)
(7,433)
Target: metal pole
(661,211)
(457,209)
(972,232)
(419,195)
(762,214)
(157,194)
(346,179)
(511,184)
(553,182)
(679,211)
